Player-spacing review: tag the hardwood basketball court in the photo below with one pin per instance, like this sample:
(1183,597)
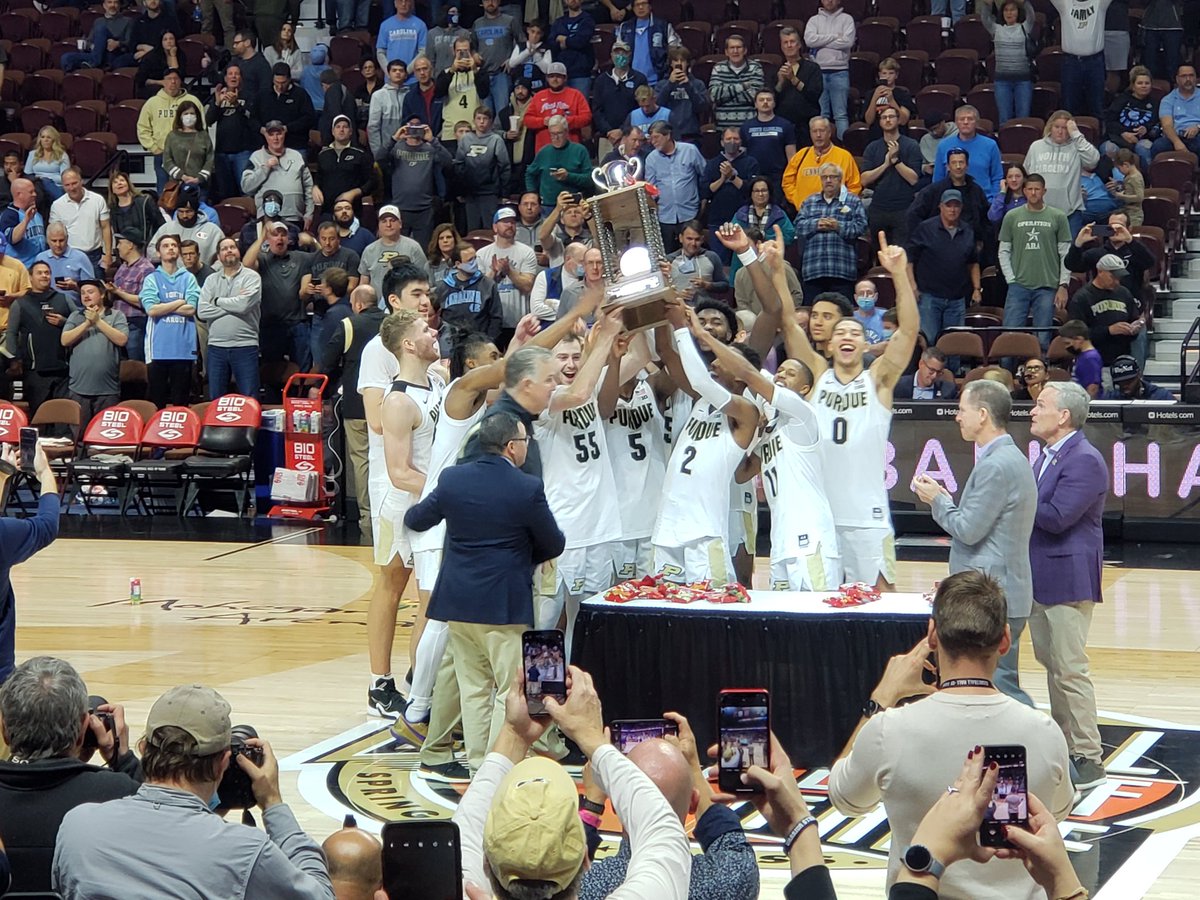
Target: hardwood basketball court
(277,624)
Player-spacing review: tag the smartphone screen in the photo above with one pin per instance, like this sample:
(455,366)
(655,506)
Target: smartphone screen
(1010,800)
(744,728)
(422,861)
(628,733)
(29,439)
(1102,231)
(544,656)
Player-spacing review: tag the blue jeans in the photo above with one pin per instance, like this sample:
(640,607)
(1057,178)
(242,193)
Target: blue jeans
(956,9)
(99,56)
(1162,145)
(501,89)
(583,85)
(160,174)
(278,340)
(1140,348)
(239,362)
(1083,84)
(1161,51)
(1014,99)
(1142,148)
(352,14)
(1075,222)
(135,347)
(940,313)
(1007,678)
(835,98)
(1018,304)
(228,176)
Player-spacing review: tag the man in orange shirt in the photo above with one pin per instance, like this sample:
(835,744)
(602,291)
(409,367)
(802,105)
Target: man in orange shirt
(557,100)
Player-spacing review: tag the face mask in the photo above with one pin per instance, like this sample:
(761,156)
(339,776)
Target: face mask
(453,18)
(620,60)
(866,304)
(214,802)
(271,208)
(1074,351)
(730,148)
(470,268)
(579,271)
(188,120)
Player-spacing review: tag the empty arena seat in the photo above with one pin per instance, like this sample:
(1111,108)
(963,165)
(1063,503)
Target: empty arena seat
(171,435)
(223,460)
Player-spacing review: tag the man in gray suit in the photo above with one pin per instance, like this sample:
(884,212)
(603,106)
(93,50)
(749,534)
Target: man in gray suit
(990,525)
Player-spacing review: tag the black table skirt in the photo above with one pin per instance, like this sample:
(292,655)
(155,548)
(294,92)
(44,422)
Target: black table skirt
(820,669)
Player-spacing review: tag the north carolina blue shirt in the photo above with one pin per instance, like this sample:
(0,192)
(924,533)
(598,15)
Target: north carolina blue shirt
(402,38)
(1184,111)
(983,161)
(639,119)
(172,336)
(34,241)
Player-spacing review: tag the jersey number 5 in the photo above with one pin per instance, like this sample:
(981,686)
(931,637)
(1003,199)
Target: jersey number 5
(586,448)
(637,450)
(839,430)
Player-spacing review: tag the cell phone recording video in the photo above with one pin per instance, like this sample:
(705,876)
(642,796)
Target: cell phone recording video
(422,861)
(1102,231)
(744,729)
(628,733)
(29,439)
(544,657)
(1010,800)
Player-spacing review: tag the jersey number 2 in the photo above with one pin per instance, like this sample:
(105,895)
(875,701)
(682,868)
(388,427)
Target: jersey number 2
(839,430)
(689,454)
(585,447)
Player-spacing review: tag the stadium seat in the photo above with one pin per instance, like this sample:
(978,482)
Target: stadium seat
(116,87)
(116,431)
(42,85)
(1089,127)
(924,33)
(1160,206)
(941,98)
(746,30)
(28,56)
(85,116)
(59,24)
(702,67)
(864,71)
(1175,170)
(970,34)
(1019,344)
(960,67)
(1154,239)
(134,379)
(227,438)
(878,35)
(756,10)
(1058,353)
(22,139)
(193,50)
(12,420)
(1045,99)
(345,52)
(913,66)
(90,156)
(1017,135)
(963,344)
(64,412)
(900,10)
(983,98)
(82,85)
(856,138)
(38,115)
(233,217)
(122,120)
(171,435)
(1049,64)
(708,10)
(479,238)
(15,27)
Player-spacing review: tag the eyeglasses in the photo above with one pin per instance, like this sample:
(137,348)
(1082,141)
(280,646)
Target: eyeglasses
(522,439)
(1035,368)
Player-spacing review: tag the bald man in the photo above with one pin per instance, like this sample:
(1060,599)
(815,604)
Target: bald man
(727,868)
(355,865)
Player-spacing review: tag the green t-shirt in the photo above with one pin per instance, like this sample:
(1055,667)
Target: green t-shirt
(1034,238)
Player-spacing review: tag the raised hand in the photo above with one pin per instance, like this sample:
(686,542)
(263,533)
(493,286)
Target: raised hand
(892,257)
(733,238)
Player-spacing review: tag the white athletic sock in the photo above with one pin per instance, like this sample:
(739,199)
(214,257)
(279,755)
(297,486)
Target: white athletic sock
(378,680)
(573,601)
(425,668)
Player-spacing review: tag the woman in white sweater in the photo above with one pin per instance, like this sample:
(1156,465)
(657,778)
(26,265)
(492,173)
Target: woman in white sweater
(1060,158)
(1011,32)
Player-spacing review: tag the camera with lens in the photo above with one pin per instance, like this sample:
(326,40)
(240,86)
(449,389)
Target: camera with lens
(235,790)
(90,743)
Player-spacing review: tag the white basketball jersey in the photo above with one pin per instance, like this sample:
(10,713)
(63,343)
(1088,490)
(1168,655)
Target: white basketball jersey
(695,500)
(790,451)
(639,458)
(854,435)
(379,485)
(448,441)
(675,413)
(578,476)
(429,401)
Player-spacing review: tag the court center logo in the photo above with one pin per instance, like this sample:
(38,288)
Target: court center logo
(1122,834)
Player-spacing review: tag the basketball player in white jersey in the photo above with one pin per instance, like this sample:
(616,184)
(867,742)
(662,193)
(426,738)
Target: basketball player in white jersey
(406,287)
(476,368)
(690,534)
(804,554)
(408,417)
(578,477)
(854,408)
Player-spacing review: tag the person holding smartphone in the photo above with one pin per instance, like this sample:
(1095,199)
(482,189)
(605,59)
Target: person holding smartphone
(21,539)
(907,755)
(33,338)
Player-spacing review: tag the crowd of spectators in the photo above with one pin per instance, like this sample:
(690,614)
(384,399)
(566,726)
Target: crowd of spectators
(454,122)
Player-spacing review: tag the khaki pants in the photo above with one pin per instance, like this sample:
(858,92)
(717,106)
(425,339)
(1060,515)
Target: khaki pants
(356,470)
(444,715)
(486,659)
(1059,634)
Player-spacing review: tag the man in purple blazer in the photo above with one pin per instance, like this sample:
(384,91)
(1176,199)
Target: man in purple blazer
(1066,554)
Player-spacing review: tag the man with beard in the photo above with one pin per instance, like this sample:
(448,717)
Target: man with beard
(350,231)
(34,339)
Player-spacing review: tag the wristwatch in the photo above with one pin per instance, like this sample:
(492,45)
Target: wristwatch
(919,861)
(871,707)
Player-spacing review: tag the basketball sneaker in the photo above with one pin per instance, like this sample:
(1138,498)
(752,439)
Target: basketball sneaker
(411,733)
(385,701)
(1088,775)
(450,773)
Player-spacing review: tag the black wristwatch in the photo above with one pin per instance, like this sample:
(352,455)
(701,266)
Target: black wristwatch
(919,861)
(872,707)
(591,806)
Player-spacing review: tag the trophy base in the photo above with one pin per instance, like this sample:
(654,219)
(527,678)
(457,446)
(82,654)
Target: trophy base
(641,313)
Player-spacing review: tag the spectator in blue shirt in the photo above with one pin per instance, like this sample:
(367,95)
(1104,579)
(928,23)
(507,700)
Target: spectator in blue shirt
(648,111)
(22,225)
(830,222)
(1089,365)
(69,266)
(170,295)
(612,97)
(726,186)
(769,138)
(983,153)
(1128,383)
(675,170)
(1179,114)
(401,36)
(867,314)
(571,45)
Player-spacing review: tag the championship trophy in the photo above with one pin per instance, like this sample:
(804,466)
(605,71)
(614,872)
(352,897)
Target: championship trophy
(625,230)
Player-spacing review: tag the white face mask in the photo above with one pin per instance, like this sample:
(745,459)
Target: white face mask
(188,120)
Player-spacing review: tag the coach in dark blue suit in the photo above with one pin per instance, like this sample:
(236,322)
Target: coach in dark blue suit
(498,527)
(19,540)
(1066,553)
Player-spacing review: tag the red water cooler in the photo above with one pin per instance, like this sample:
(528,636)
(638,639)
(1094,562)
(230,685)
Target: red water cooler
(304,444)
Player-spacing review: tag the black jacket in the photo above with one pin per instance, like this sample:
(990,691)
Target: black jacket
(342,170)
(237,128)
(338,102)
(35,796)
(294,109)
(942,389)
(343,360)
(39,343)
(974,213)
(800,104)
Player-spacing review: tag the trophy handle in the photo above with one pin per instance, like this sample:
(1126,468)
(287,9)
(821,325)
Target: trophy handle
(598,179)
(636,165)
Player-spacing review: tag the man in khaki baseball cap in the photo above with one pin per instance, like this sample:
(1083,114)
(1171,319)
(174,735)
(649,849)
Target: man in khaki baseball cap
(198,711)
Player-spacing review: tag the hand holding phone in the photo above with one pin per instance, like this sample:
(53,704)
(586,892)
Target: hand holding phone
(29,442)
(628,733)
(1009,804)
(422,861)
(544,657)
(744,737)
